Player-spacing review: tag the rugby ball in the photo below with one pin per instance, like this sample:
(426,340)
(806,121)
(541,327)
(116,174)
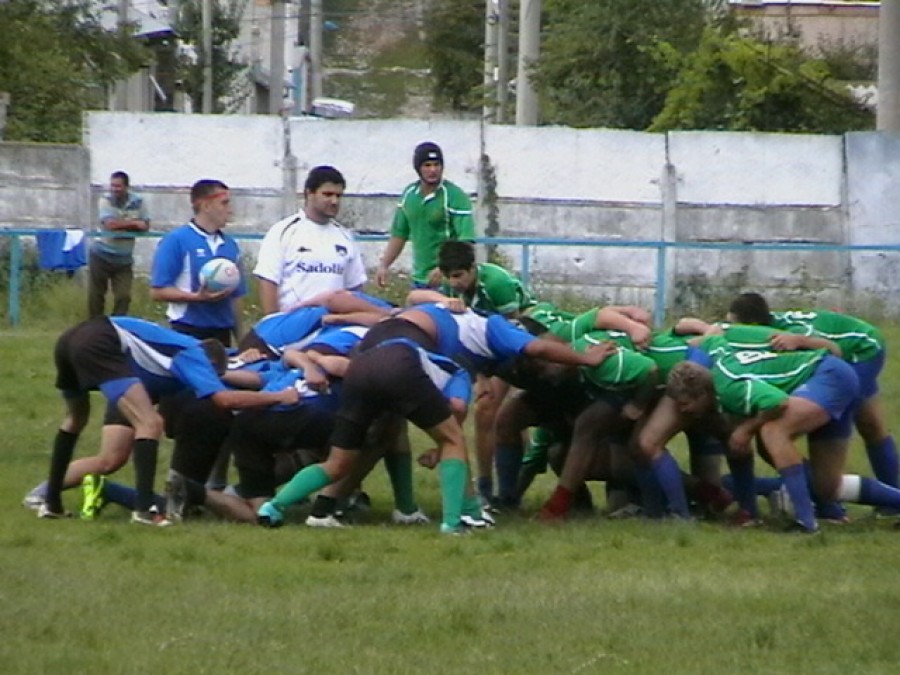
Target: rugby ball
(219,274)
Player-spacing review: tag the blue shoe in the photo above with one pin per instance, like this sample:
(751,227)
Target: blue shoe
(269,515)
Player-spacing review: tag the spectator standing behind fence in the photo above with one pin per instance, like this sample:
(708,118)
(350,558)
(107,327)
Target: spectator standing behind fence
(431,211)
(194,309)
(309,253)
(111,260)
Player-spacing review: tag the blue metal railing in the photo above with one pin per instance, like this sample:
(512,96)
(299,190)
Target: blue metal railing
(526,244)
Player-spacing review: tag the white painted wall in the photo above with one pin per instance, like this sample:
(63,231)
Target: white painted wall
(596,184)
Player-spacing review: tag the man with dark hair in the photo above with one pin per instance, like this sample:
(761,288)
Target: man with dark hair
(484,287)
(309,253)
(111,259)
(431,211)
(193,309)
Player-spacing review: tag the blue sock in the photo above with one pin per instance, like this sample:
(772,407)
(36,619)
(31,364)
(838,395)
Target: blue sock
(766,486)
(666,470)
(798,489)
(876,493)
(762,487)
(743,485)
(116,493)
(653,501)
(508,461)
(883,458)
(485,486)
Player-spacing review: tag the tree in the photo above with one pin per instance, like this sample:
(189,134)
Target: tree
(57,61)
(598,66)
(230,86)
(454,41)
(735,83)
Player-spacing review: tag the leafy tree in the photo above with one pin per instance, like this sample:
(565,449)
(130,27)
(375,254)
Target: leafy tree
(598,66)
(454,40)
(735,83)
(230,86)
(57,61)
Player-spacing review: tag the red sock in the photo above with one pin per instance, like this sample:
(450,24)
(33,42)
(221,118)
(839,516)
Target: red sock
(560,501)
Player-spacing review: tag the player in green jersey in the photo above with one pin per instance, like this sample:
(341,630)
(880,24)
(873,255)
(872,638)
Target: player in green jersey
(488,289)
(658,473)
(781,396)
(621,388)
(862,345)
(432,210)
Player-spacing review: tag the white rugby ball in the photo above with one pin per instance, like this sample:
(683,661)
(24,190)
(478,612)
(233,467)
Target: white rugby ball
(219,274)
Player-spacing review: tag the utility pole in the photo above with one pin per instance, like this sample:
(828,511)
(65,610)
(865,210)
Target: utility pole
(888,116)
(491,17)
(502,59)
(315,49)
(529,50)
(206,19)
(301,60)
(276,58)
(122,85)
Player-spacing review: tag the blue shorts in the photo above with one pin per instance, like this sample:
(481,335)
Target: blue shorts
(697,355)
(868,372)
(834,387)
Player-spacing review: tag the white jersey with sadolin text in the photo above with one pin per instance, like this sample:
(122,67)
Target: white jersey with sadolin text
(304,258)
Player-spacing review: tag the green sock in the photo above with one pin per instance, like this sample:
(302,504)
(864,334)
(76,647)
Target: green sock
(399,467)
(303,484)
(472,506)
(452,473)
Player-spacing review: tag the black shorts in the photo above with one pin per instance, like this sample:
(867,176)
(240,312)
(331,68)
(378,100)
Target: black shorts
(223,335)
(258,436)
(395,327)
(89,354)
(386,379)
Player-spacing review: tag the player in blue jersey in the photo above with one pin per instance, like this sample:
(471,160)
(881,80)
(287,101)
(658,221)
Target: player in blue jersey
(275,333)
(398,369)
(192,308)
(133,362)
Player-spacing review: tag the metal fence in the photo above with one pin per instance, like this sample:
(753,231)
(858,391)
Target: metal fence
(526,244)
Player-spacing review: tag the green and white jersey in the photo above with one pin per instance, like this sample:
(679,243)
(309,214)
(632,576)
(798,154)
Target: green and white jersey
(562,324)
(429,220)
(858,339)
(626,369)
(667,349)
(741,337)
(496,292)
(748,382)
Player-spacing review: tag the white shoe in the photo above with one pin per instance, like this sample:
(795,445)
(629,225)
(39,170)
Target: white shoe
(151,518)
(485,521)
(44,511)
(325,521)
(33,501)
(414,518)
(630,510)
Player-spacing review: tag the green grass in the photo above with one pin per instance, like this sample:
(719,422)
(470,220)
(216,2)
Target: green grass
(592,596)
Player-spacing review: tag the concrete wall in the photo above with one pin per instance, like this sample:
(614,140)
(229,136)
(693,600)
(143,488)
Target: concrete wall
(615,186)
(43,185)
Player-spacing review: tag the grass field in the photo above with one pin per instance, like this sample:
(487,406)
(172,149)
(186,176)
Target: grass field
(593,596)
